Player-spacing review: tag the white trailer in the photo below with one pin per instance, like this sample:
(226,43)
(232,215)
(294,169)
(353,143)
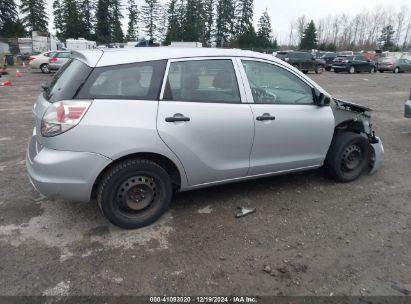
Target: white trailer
(80,44)
(186,44)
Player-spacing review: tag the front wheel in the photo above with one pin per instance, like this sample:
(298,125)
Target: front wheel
(134,193)
(352,70)
(396,70)
(348,156)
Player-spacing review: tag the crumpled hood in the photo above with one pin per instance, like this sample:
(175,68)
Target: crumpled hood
(351,106)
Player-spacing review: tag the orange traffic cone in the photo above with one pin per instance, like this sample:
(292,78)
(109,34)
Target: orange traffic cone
(6,83)
(18,74)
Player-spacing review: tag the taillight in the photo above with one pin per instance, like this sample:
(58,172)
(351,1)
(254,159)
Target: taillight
(53,59)
(62,116)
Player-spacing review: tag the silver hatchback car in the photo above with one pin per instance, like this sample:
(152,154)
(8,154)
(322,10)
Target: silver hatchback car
(128,127)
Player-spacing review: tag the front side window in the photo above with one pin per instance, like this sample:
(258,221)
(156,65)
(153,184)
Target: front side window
(274,85)
(140,81)
(202,81)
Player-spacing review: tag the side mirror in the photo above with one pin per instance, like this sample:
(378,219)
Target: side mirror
(320,99)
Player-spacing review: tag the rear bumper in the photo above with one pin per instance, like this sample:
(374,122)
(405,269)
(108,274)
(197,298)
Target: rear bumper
(63,174)
(407,109)
(385,68)
(378,155)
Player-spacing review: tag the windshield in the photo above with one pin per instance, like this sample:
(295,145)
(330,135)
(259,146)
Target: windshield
(67,81)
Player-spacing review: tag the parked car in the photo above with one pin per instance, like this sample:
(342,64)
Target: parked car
(394,65)
(328,58)
(129,127)
(26,56)
(353,64)
(41,61)
(303,61)
(59,59)
(407,108)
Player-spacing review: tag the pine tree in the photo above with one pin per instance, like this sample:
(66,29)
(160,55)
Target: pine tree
(224,22)
(245,32)
(150,17)
(71,19)
(193,24)
(103,28)
(309,39)
(35,16)
(58,19)
(386,39)
(264,31)
(209,21)
(174,23)
(132,30)
(244,11)
(116,16)
(8,17)
(87,19)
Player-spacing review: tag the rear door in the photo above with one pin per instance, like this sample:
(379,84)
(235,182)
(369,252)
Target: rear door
(362,64)
(202,118)
(61,58)
(291,132)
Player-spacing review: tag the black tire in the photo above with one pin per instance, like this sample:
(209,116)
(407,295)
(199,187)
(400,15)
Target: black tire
(348,156)
(121,193)
(396,70)
(319,69)
(352,70)
(381,71)
(305,71)
(45,68)
(328,68)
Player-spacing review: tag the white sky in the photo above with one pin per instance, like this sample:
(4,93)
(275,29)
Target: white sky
(283,12)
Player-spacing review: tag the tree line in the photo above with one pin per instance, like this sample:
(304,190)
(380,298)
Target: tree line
(225,23)
(377,28)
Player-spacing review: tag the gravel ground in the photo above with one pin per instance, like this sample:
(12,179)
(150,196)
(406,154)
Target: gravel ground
(309,236)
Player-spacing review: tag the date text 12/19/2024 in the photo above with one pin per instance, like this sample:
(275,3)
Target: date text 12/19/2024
(203,299)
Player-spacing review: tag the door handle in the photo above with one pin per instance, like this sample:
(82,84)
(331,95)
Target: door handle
(177,117)
(265,116)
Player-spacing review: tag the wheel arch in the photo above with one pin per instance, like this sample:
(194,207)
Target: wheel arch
(166,163)
(350,125)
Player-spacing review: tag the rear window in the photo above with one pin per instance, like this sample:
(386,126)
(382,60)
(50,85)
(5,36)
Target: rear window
(67,81)
(141,81)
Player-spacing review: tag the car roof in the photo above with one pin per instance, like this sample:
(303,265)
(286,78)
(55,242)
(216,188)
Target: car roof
(109,57)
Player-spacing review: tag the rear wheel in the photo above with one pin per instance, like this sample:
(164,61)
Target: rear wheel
(45,68)
(134,193)
(396,70)
(319,69)
(348,156)
(351,69)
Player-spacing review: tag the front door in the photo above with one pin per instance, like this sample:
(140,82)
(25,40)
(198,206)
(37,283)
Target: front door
(290,131)
(202,119)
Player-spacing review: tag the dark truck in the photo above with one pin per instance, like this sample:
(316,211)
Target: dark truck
(353,64)
(303,61)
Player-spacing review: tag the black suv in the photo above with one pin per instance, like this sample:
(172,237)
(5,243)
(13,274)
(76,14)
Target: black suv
(353,64)
(303,61)
(328,58)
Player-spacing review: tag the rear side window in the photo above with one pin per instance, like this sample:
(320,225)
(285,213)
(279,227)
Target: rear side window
(67,81)
(211,80)
(63,55)
(140,81)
